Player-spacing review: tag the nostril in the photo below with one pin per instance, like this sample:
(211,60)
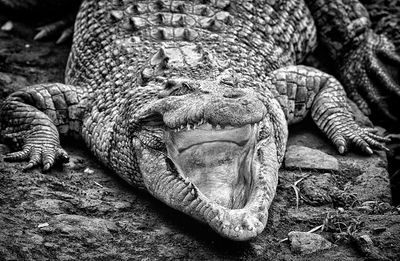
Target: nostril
(233,94)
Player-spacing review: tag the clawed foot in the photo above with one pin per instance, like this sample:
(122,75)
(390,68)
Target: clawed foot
(40,149)
(371,75)
(349,133)
(63,27)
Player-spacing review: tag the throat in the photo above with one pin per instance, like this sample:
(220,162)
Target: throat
(220,169)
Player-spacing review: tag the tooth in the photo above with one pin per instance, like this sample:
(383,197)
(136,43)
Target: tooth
(217,127)
(188,126)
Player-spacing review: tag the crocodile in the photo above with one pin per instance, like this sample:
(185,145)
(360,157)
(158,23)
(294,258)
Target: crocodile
(191,100)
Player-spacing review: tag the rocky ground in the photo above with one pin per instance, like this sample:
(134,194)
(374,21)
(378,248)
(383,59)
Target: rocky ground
(81,211)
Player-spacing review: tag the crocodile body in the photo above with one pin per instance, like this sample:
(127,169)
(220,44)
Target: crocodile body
(191,100)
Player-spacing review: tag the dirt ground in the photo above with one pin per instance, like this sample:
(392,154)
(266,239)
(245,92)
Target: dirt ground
(82,211)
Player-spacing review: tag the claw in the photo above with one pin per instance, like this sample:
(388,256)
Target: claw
(46,167)
(62,155)
(29,166)
(340,143)
(53,28)
(341,149)
(41,34)
(65,35)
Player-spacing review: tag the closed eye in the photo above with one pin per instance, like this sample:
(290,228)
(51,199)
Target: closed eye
(181,89)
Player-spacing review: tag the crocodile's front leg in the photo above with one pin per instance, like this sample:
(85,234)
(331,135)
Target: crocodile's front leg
(32,119)
(300,89)
(367,63)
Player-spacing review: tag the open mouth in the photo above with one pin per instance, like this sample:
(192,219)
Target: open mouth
(218,160)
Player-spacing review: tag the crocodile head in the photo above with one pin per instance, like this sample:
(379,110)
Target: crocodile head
(212,150)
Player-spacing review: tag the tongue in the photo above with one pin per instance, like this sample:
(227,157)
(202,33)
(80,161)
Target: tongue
(214,168)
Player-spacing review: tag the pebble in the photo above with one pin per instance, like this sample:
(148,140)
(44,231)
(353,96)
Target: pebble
(8,26)
(307,243)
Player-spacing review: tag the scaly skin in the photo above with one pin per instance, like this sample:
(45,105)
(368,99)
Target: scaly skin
(367,63)
(385,18)
(189,101)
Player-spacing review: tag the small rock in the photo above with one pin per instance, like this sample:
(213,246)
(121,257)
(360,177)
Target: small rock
(43,225)
(88,171)
(307,158)
(307,243)
(8,26)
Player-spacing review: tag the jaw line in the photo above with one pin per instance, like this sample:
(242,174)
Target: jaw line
(180,193)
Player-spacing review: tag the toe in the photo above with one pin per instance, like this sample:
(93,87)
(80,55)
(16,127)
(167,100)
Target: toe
(62,155)
(360,143)
(34,159)
(370,92)
(19,155)
(340,143)
(48,159)
(383,78)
